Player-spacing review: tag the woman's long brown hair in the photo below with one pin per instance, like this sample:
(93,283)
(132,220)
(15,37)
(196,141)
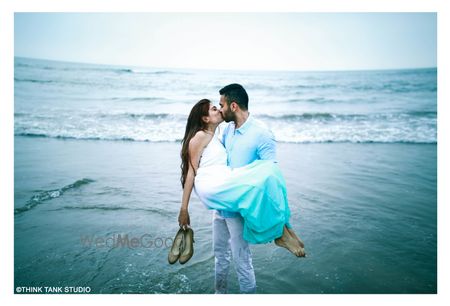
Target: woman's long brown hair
(193,125)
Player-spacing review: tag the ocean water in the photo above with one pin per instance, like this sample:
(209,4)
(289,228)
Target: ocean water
(81,101)
(97,157)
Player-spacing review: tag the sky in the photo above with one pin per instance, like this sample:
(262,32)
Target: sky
(237,41)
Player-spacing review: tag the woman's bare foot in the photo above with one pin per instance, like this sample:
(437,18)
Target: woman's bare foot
(286,241)
(293,235)
(299,241)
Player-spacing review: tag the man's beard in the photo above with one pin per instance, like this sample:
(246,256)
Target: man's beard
(228,116)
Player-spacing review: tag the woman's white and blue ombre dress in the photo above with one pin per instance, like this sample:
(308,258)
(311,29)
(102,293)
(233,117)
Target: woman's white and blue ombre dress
(256,191)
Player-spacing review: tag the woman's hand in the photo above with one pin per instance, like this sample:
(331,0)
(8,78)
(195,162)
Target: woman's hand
(183,218)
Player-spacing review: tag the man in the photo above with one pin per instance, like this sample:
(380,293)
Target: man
(246,140)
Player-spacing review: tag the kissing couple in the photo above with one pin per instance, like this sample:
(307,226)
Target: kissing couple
(237,175)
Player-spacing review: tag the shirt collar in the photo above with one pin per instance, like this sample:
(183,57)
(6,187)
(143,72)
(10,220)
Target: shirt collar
(245,126)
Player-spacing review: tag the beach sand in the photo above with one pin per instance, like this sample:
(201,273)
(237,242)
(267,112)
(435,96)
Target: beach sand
(366,212)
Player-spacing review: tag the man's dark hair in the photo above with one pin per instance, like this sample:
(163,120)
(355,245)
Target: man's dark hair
(235,92)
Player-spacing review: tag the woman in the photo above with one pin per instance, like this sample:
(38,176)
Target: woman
(257,191)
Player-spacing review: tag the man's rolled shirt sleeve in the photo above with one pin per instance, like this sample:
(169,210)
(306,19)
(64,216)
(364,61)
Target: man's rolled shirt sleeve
(267,148)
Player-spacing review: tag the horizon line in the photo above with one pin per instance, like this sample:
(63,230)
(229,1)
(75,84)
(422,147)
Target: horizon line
(224,69)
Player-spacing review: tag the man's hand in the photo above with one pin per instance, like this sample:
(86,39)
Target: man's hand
(183,218)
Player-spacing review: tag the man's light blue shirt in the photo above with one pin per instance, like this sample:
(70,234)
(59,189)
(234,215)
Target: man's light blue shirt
(252,141)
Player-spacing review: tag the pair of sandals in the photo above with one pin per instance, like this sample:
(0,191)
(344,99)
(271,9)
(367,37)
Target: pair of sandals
(182,247)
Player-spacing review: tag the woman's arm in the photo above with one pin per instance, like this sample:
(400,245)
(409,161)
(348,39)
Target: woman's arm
(196,146)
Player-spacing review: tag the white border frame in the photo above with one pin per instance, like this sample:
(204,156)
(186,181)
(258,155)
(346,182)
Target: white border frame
(7,9)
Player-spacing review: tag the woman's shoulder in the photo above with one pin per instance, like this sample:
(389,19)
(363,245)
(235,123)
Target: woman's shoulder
(201,135)
(200,139)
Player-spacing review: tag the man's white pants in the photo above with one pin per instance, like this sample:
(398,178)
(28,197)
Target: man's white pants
(228,240)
